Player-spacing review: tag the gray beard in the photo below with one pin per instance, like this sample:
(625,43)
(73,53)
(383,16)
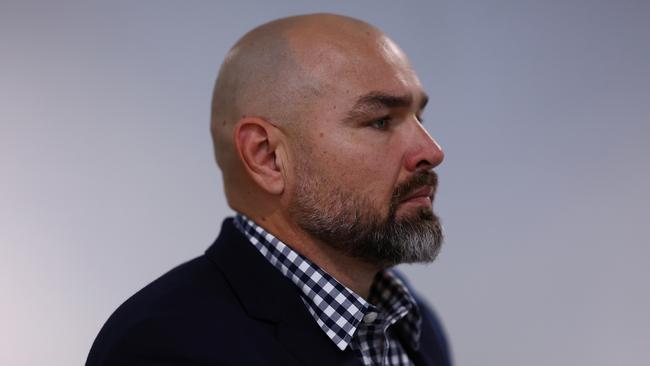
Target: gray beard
(348,223)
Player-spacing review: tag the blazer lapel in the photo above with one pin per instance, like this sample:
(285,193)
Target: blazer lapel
(302,336)
(267,295)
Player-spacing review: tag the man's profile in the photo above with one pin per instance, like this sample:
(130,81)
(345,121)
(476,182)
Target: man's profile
(316,124)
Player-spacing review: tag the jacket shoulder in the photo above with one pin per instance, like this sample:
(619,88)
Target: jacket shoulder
(171,317)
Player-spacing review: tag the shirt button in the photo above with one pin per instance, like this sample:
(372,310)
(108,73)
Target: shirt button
(370,317)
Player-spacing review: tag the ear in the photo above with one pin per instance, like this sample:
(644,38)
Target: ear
(257,141)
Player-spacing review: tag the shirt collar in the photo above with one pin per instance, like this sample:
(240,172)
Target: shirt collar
(337,310)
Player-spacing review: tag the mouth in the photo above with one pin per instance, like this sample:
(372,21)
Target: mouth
(421,196)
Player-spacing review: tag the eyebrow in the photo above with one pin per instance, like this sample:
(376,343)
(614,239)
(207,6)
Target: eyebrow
(379,100)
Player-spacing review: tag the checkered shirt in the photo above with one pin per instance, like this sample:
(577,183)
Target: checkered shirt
(367,327)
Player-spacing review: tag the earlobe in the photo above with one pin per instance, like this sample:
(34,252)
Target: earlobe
(256,143)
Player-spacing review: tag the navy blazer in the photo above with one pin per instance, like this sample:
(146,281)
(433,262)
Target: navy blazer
(230,306)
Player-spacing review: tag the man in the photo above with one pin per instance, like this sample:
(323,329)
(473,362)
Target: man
(317,130)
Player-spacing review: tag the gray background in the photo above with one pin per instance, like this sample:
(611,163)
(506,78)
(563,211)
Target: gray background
(543,108)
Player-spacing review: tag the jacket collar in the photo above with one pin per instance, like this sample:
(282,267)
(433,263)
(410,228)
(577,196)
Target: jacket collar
(266,295)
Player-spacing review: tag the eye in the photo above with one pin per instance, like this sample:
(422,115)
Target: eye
(381,124)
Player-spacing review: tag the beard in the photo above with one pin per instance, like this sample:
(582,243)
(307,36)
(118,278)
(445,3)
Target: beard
(350,223)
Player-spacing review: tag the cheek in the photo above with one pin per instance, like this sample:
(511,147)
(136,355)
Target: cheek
(363,168)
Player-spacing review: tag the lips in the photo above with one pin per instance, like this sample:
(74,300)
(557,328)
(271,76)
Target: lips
(419,190)
(420,194)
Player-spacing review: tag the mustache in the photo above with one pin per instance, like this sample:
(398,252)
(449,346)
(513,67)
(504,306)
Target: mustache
(426,178)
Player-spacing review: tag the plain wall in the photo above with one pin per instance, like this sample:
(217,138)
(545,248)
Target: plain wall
(107,178)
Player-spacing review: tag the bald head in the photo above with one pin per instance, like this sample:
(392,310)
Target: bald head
(280,71)
(277,69)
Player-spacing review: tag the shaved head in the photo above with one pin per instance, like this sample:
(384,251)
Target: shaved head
(280,61)
(277,71)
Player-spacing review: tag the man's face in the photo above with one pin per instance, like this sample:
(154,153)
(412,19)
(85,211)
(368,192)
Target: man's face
(363,181)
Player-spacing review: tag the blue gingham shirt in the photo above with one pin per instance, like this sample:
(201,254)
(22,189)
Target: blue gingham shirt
(346,318)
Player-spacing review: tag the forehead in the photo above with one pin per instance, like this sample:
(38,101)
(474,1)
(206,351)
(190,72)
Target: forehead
(350,67)
(384,68)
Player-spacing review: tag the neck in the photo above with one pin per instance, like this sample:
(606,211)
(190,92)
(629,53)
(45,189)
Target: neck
(353,273)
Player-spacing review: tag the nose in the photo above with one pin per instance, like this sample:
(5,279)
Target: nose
(424,152)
